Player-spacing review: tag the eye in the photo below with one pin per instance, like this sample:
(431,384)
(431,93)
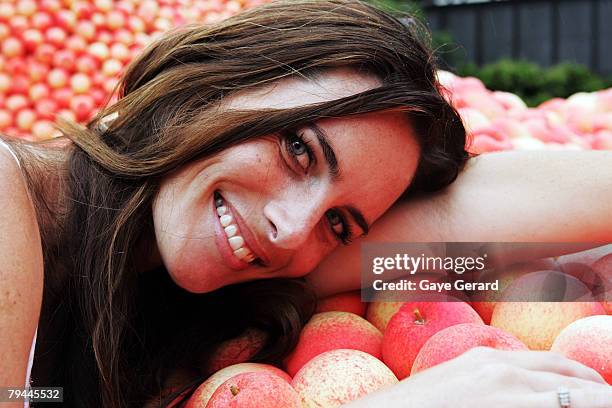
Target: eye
(339,226)
(298,149)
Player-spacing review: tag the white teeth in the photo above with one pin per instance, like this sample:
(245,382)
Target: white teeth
(242,253)
(231,230)
(236,242)
(226,220)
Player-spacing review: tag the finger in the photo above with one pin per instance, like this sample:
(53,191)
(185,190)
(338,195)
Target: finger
(593,397)
(551,362)
(542,381)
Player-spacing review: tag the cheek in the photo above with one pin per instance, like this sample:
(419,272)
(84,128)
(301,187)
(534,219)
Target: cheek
(257,160)
(307,258)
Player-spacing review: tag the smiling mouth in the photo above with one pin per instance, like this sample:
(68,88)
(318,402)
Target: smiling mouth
(232,233)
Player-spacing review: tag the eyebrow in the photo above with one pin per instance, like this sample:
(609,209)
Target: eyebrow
(328,151)
(334,172)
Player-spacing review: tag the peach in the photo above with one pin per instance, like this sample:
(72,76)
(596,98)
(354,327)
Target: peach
(416,322)
(379,313)
(484,301)
(202,394)
(473,119)
(333,330)
(602,140)
(587,257)
(603,267)
(339,376)
(588,341)
(455,340)
(527,143)
(585,274)
(384,305)
(343,302)
(446,79)
(234,351)
(484,103)
(552,104)
(509,100)
(260,389)
(513,129)
(483,143)
(537,306)
(470,84)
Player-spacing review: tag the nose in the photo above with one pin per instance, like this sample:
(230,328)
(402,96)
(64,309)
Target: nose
(292,219)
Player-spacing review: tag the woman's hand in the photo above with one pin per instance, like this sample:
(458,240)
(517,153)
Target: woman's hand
(489,378)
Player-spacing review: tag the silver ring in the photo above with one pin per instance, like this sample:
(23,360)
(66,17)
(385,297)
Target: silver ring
(564,397)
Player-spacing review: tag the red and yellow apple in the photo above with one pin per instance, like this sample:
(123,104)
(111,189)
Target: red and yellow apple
(537,306)
(588,341)
(455,340)
(202,394)
(339,376)
(333,330)
(255,389)
(234,351)
(414,324)
(484,301)
(343,302)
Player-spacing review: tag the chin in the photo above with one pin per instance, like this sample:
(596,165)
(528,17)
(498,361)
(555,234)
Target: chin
(201,280)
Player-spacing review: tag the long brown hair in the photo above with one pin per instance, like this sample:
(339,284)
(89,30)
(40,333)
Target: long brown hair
(125,331)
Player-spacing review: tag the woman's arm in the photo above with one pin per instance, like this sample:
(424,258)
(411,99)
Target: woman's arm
(21,275)
(534,196)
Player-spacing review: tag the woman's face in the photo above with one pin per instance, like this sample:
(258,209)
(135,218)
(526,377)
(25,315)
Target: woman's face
(276,205)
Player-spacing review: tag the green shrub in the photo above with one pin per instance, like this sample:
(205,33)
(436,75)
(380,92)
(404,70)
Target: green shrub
(536,84)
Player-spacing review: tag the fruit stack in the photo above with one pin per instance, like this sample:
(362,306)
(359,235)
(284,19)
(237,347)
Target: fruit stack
(501,121)
(350,348)
(64,57)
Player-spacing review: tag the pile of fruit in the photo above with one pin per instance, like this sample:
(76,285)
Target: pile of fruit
(64,57)
(350,348)
(501,121)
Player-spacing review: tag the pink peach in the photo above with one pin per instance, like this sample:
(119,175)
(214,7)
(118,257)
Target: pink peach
(603,267)
(416,322)
(202,394)
(343,302)
(339,376)
(234,351)
(588,341)
(535,314)
(379,313)
(455,340)
(260,389)
(334,330)
(484,302)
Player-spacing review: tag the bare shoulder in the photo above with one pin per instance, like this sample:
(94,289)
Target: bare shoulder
(21,272)
(14,196)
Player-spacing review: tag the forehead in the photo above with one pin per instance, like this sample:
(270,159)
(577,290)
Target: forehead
(377,156)
(377,153)
(295,90)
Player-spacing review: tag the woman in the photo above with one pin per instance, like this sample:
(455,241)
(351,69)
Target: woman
(238,156)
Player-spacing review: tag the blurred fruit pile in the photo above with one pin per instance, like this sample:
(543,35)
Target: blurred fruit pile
(350,348)
(502,121)
(63,57)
